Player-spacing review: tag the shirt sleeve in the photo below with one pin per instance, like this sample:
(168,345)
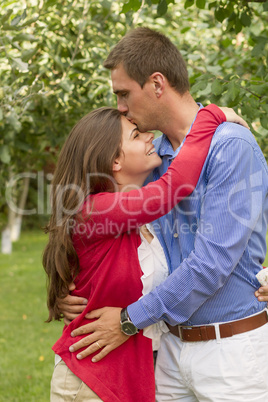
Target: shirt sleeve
(231,207)
(137,207)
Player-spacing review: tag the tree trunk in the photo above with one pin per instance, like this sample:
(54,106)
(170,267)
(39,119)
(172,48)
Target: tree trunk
(12,231)
(16,224)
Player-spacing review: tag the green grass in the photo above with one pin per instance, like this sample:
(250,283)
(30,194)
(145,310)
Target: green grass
(26,358)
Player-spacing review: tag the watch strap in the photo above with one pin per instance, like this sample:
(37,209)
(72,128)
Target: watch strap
(124,315)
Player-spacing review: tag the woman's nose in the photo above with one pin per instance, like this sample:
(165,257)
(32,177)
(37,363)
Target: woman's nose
(149,137)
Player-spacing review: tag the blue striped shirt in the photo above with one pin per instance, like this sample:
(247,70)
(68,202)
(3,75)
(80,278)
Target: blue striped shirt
(214,240)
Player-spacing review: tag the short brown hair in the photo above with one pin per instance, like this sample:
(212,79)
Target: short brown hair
(143,51)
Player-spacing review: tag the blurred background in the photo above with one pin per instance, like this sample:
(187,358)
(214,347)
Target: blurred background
(51,74)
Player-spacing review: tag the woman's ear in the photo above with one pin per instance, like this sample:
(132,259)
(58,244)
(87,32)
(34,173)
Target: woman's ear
(117,165)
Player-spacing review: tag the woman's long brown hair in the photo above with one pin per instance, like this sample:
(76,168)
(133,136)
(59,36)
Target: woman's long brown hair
(84,167)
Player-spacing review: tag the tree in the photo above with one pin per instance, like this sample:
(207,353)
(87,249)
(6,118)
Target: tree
(51,56)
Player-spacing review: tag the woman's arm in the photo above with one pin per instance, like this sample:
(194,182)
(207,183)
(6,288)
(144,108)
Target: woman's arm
(144,205)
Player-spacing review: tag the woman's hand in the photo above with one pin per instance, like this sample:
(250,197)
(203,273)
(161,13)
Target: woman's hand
(232,117)
(262,294)
(71,306)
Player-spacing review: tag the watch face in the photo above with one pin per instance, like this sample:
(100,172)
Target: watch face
(128,328)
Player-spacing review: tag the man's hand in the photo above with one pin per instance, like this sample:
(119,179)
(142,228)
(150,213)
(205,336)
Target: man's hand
(105,333)
(71,306)
(262,293)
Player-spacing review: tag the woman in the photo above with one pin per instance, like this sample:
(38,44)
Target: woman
(98,207)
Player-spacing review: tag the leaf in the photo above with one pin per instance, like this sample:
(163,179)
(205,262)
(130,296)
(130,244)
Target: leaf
(186,29)
(199,86)
(131,5)
(66,85)
(233,90)
(188,3)
(201,4)
(15,20)
(260,89)
(1,114)
(28,54)
(20,65)
(264,122)
(18,18)
(6,16)
(220,14)
(245,19)
(30,21)
(162,8)
(226,42)
(4,154)
(265,6)
(25,37)
(13,120)
(217,87)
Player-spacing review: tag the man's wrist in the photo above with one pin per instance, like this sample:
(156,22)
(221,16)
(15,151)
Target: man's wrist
(127,326)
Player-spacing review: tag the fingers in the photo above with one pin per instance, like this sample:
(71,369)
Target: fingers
(71,287)
(72,301)
(71,306)
(74,309)
(262,294)
(66,321)
(231,116)
(97,313)
(104,352)
(70,316)
(96,344)
(88,340)
(85,329)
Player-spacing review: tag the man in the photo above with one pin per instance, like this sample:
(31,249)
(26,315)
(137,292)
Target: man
(214,242)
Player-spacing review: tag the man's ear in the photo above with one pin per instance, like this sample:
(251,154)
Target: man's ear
(159,82)
(117,165)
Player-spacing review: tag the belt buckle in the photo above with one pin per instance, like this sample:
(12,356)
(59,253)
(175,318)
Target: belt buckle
(181,329)
(180,332)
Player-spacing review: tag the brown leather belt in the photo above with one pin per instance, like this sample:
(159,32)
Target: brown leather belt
(208,332)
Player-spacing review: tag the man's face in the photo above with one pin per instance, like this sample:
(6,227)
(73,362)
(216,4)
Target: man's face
(136,103)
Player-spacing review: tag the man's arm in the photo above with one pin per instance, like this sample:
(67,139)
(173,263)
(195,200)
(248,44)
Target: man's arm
(231,254)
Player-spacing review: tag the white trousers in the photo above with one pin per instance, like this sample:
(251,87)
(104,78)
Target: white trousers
(232,369)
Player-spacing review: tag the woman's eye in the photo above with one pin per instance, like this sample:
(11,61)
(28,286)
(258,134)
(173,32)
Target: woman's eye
(136,135)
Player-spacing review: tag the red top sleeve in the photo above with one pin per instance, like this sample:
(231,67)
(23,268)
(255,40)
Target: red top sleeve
(134,208)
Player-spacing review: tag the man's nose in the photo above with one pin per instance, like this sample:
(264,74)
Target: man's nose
(122,107)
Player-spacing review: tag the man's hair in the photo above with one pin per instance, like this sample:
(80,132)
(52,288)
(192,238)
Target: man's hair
(143,52)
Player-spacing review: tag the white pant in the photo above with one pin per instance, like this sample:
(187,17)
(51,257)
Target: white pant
(232,369)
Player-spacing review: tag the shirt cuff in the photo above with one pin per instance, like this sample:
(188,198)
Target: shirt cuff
(139,315)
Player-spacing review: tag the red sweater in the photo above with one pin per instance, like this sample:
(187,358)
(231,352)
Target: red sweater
(106,244)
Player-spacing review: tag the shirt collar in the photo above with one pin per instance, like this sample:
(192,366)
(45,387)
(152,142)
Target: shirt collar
(165,147)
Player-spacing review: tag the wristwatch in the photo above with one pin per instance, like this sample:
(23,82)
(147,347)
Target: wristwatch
(127,326)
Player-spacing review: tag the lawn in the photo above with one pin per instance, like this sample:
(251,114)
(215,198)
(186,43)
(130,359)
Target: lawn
(26,358)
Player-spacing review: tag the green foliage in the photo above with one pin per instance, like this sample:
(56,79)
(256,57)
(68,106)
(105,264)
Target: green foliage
(51,56)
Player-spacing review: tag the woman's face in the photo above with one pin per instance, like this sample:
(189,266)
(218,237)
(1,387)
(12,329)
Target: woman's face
(138,157)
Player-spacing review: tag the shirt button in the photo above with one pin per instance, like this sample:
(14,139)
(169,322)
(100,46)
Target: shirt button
(175,235)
